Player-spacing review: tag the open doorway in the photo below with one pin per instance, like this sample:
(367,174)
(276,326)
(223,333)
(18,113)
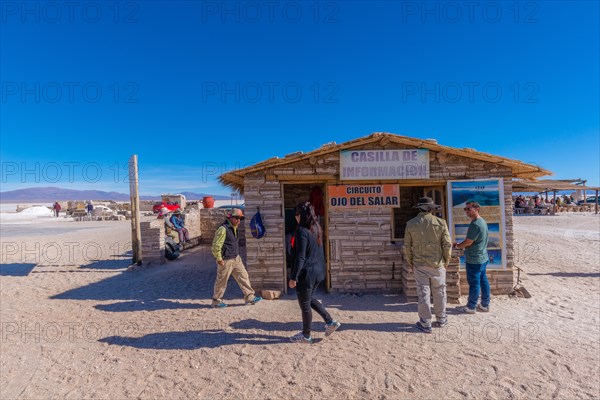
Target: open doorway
(409,197)
(293,194)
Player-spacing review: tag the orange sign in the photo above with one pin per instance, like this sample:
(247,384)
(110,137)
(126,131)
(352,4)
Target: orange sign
(363,196)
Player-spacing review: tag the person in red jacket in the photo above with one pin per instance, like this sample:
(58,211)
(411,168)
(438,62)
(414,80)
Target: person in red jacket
(56,207)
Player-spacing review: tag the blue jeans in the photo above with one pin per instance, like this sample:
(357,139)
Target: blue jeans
(478,280)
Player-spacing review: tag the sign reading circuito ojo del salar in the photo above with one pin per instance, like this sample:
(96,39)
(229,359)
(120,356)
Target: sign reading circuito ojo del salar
(363,196)
(384,164)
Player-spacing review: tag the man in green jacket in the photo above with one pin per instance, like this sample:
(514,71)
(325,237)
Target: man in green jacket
(427,248)
(226,250)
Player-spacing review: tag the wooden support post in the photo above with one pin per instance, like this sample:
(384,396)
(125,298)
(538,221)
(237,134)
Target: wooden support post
(136,234)
(596,201)
(554,205)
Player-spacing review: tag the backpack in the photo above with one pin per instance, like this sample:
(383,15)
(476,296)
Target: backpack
(256,226)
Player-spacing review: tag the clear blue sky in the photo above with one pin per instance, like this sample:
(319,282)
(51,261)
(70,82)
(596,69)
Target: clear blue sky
(197,88)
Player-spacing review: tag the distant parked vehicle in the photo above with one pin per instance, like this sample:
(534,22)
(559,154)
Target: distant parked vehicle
(170,206)
(589,200)
(103,211)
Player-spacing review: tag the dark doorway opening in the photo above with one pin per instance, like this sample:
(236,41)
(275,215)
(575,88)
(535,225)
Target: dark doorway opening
(409,197)
(293,194)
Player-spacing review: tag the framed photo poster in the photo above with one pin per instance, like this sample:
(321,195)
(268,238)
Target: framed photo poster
(489,193)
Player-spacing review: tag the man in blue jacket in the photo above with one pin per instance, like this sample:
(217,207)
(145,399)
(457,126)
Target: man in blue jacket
(177,221)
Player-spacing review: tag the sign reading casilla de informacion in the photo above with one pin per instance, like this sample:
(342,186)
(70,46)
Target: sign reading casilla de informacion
(384,164)
(363,196)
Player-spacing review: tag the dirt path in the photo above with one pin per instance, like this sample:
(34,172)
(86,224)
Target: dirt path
(84,327)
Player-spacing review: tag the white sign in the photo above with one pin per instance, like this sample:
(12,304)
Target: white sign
(384,164)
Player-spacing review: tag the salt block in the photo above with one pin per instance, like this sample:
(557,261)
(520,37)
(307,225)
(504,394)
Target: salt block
(270,294)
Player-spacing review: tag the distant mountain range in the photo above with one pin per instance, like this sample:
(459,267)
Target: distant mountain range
(50,194)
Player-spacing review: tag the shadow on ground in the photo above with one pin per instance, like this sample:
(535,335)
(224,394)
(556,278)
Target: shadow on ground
(114,264)
(318,326)
(371,302)
(191,340)
(187,278)
(16,269)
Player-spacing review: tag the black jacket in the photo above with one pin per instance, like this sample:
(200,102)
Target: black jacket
(231,246)
(308,258)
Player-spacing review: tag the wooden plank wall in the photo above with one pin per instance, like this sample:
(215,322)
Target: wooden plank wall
(265,257)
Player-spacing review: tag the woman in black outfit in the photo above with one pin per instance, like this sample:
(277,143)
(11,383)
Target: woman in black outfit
(308,270)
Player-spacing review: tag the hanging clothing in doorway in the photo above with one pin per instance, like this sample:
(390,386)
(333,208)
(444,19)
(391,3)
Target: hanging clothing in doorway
(316,200)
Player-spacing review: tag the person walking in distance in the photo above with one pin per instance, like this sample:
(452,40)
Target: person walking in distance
(56,207)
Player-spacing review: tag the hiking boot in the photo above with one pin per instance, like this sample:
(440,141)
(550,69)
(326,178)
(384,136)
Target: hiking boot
(219,305)
(423,328)
(466,310)
(482,308)
(331,327)
(254,301)
(300,338)
(440,323)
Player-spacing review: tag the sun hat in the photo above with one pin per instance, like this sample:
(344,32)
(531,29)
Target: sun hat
(236,212)
(426,204)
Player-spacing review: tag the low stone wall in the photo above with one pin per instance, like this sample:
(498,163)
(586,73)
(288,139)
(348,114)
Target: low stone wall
(453,281)
(210,219)
(201,224)
(501,282)
(153,240)
(193,223)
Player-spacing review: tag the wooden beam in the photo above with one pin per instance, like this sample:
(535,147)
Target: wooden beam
(306,178)
(136,234)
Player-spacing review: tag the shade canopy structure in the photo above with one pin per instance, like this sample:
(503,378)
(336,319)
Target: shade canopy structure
(549,185)
(235,179)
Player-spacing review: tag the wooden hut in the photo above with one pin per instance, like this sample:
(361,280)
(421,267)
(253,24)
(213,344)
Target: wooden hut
(365,190)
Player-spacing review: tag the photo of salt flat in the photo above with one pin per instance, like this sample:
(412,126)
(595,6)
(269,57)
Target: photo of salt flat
(486,193)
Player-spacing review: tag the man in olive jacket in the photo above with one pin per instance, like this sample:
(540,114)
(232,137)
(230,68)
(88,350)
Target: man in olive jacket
(226,250)
(427,248)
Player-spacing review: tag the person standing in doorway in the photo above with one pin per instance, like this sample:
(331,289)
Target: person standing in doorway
(476,259)
(308,271)
(226,250)
(427,248)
